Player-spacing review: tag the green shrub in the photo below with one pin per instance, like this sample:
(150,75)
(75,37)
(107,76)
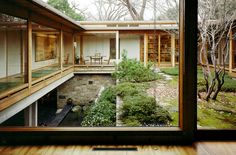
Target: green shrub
(102,113)
(108,95)
(142,109)
(131,70)
(174,71)
(129,89)
(131,121)
(229,84)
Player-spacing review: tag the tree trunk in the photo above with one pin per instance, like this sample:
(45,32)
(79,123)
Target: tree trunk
(210,90)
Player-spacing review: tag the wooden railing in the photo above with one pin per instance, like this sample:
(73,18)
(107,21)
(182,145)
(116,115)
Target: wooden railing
(8,98)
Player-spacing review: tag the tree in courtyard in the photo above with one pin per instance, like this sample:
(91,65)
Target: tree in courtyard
(216,22)
(65,8)
(168,10)
(109,10)
(136,8)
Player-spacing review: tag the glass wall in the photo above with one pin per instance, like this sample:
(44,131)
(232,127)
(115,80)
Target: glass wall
(216,83)
(68,49)
(13,52)
(45,53)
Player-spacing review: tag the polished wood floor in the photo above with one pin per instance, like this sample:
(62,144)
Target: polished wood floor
(198,148)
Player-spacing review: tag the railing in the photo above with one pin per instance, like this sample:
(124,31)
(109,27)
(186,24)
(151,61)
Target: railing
(94,69)
(16,94)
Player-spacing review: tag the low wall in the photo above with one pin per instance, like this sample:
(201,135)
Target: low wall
(82,89)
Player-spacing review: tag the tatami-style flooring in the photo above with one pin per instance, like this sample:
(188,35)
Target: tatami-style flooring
(198,148)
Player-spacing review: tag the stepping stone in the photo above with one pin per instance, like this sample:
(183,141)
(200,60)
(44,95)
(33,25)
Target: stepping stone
(168,78)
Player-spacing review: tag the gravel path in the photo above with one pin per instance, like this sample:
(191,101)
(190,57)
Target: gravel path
(162,91)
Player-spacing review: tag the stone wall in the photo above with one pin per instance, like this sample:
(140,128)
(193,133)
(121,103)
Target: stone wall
(82,89)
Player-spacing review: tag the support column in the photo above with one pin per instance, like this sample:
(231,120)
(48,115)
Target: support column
(29,24)
(61,50)
(74,49)
(172,50)
(230,52)
(81,50)
(117,47)
(145,57)
(159,50)
(31,115)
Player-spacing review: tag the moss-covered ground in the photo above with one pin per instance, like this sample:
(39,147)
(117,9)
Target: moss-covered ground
(219,114)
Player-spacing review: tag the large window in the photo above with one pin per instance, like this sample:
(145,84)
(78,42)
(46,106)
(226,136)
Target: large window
(216,69)
(45,51)
(13,54)
(161,104)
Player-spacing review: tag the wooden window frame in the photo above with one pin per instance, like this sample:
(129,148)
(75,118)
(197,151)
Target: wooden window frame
(132,135)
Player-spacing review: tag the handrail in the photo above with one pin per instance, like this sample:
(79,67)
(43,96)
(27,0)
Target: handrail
(45,77)
(14,90)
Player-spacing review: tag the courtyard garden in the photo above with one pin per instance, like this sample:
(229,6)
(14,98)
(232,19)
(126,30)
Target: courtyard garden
(215,114)
(140,98)
(145,96)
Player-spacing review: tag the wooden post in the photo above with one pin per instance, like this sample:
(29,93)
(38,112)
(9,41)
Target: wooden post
(61,50)
(81,50)
(117,47)
(74,48)
(6,52)
(173,50)
(29,53)
(230,51)
(145,57)
(188,68)
(159,50)
(31,115)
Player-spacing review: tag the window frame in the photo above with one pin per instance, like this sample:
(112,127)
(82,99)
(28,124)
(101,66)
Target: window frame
(131,135)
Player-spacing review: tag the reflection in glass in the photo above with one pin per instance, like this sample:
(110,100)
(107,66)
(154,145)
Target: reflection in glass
(13,53)
(45,53)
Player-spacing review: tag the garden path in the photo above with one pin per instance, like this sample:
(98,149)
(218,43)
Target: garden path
(163,92)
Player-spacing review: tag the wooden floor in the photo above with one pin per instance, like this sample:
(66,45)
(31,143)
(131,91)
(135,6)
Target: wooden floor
(199,148)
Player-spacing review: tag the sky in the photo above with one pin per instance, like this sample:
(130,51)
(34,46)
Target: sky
(89,8)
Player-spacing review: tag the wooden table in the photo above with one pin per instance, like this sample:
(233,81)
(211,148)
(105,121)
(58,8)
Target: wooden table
(95,58)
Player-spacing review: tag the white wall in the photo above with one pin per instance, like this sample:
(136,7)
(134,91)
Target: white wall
(14,52)
(92,45)
(10,53)
(40,64)
(132,46)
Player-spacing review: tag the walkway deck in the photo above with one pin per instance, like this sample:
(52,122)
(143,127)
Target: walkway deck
(94,69)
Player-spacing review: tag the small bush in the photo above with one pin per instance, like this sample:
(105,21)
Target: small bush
(131,70)
(108,95)
(129,89)
(131,121)
(143,110)
(228,86)
(174,71)
(102,113)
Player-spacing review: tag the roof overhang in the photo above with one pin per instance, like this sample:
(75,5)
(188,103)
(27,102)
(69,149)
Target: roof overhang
(41,9)
(129,25)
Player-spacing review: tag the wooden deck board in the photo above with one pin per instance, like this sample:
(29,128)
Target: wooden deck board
(198,148)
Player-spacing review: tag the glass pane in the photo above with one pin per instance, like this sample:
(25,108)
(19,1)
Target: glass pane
(126,73)
(46,53)
(216,69)
(13,53)
(68,49)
